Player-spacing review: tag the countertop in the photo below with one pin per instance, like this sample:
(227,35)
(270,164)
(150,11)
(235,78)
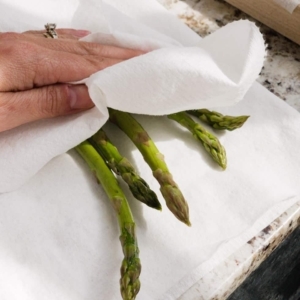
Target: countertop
(280,75)
(278,277)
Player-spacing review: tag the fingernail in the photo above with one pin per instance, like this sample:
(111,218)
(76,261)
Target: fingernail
(81,33)
(79,97)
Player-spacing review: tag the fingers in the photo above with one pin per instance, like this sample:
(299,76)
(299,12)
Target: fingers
(41,103)
(65,42)
(27,61)
(34,66)
(26,65)
(72,34)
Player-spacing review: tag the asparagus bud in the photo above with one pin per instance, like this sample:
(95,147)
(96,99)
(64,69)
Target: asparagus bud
(169,189)
(219,121)
(121,166)
(208,140)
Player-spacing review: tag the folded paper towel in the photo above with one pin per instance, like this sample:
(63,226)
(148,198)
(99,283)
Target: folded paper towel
(57,228)
(173,76)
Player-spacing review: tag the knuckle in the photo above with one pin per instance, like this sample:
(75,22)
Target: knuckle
(16,60)
(91,48)
(16,47)
(99,63)
(8,109)
(18,52)
(51,102)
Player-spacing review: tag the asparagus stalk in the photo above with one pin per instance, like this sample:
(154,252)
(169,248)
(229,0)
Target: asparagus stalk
(217,120)
(131,266)
(208,140)
(169,189)
(121,166)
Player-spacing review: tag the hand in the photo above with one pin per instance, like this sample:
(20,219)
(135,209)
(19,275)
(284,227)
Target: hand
(34,69)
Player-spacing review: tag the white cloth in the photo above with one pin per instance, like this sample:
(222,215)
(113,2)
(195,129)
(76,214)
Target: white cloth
(59,237)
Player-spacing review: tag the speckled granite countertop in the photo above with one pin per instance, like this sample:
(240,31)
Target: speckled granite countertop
(281,75)
(281,72)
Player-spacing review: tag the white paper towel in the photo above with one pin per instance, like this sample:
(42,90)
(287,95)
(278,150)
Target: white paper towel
(175,76)
(289,5)
(59,237)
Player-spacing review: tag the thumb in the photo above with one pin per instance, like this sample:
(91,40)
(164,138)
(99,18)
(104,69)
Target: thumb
(17,108)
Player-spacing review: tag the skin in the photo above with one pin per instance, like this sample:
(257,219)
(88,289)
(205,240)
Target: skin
(34,69)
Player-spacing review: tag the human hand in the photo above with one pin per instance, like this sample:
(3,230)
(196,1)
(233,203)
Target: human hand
(33,72)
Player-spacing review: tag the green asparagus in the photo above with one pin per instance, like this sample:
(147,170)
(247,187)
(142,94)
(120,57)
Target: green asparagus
(121,166)
(219,121)
(131,266)
(169,189)
(209,141)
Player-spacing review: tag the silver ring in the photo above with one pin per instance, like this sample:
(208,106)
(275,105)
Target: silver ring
(50,31)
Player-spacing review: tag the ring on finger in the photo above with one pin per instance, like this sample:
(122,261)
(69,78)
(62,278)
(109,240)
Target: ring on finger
(50,31)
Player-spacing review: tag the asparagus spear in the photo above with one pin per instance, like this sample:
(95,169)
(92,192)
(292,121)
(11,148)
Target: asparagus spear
(121,166)
(169,189)
(219,121)
(131,266)
(209,141)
